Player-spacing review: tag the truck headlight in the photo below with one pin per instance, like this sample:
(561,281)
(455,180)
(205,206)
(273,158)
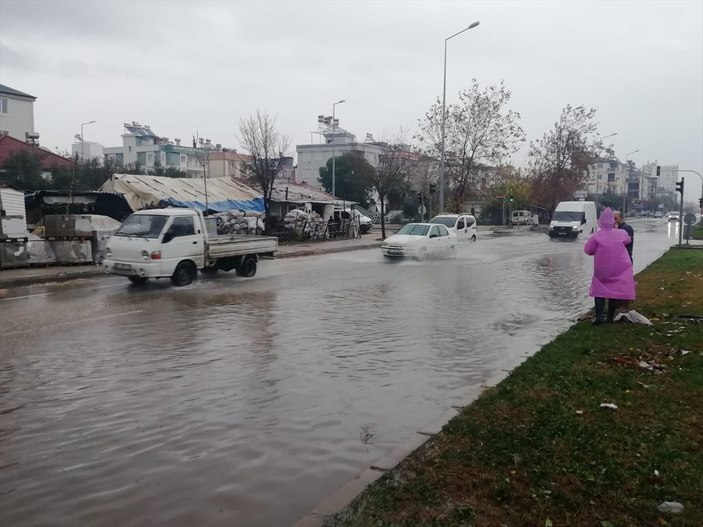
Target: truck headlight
(108,252)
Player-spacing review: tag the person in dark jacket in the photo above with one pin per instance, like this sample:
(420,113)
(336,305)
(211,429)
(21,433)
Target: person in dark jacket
(629,230)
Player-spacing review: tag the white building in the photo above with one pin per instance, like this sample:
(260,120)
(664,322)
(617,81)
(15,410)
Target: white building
(87,151)
(668,176)
(16,113)
(312,157)
(607,176)
(142,147)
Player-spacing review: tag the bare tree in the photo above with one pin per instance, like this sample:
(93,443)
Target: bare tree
(267,148)
(395,162)
(560,160)
(479,130)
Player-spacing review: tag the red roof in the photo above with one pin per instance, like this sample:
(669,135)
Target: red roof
(10,145)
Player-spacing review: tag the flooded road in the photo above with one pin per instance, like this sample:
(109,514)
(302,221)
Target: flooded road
(245,402)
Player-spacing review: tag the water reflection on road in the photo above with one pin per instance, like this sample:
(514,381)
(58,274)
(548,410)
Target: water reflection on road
(235,402)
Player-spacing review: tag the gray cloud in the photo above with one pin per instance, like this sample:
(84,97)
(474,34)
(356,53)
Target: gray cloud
(186,66)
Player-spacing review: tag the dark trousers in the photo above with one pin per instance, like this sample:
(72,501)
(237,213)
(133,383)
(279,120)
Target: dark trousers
(600,308)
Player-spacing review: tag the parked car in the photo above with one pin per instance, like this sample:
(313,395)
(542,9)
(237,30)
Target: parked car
(521,217)
(658,214)
(420,240)
(673,216)
(462,225)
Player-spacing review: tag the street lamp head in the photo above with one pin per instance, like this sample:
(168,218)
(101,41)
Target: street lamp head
(340,102)
(609,135)
(474,24)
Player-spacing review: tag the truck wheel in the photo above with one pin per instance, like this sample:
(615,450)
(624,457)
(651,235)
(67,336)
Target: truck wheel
(137,279)
(184,274)
(248,267)
(473,238)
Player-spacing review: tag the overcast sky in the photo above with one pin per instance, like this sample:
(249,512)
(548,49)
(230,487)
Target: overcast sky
(183,67)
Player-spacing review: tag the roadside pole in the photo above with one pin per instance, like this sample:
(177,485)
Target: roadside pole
(681,211)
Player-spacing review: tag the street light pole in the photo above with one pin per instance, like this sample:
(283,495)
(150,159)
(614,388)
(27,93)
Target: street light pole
(334,133)
(83,141)
(444,116)
(627,177)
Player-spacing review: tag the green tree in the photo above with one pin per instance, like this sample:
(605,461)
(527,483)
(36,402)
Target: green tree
(22,169)
(352,175)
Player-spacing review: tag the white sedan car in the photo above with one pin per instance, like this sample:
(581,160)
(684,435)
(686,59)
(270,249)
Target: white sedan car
(419,240)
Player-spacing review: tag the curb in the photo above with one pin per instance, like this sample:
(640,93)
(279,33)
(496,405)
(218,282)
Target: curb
(344,496)
(93,271)
(58,277)
(314,252)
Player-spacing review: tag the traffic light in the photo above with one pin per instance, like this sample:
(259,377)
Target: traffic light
(510,198)
(433,188)
(679,186)
(700,202)
(419,199)
(659,170)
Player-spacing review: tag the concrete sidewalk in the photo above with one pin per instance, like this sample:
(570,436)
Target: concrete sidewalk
(62,273)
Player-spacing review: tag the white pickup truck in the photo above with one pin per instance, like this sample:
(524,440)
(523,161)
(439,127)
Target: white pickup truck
(174,243)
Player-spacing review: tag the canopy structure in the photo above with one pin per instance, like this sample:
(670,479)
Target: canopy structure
(143,192)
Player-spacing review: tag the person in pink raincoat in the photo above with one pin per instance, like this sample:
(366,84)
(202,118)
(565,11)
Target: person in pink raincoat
(613,278)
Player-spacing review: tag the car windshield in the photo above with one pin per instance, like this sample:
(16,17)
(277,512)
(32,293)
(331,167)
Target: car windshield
(568,215)
(414,230)
(142,225)
(447,221)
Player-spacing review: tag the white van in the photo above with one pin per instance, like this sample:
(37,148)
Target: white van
(463,225)
(521,217)
(572,218)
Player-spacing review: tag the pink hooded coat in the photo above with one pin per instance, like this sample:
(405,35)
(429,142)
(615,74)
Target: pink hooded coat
(612,268)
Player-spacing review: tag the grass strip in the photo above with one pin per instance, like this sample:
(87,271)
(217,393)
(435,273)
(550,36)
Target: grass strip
(539,450)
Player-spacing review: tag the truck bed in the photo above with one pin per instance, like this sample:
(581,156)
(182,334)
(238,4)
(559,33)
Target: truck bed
(225,246)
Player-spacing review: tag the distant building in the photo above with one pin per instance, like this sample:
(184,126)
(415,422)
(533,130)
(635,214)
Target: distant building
(337,141)
(607,176)
(227,163)
(668,176)
(16,113)
(143,148)
(88,150)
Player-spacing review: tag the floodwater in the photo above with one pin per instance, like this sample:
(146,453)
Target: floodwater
(246,402)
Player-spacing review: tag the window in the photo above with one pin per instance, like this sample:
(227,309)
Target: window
(611,177)
(434,233)
(182,226)
(442,230)
(460,223)
(3,106)
(470,222)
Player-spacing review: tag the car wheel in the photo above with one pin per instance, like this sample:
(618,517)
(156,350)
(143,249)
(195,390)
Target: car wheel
(247,268)
(473,238)
(184,274)
(137,279)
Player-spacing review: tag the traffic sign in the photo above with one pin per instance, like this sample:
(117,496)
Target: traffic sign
(690,219)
